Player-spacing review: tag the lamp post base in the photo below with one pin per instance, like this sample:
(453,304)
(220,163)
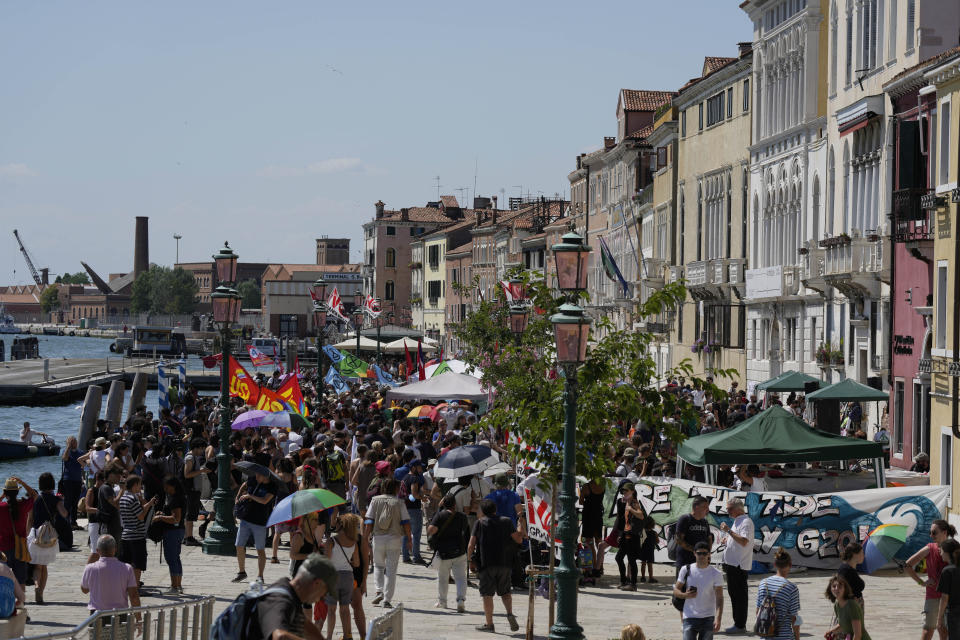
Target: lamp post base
(220,541)
(560,631)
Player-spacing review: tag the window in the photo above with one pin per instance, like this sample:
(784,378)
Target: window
(868,44)
(391,258)
(683,123)
(911,23)
(388,290)
(892,44)
(715,109)
(944,143)
(391,231)
(746,95)
(434,256)
(813,336)
(898,416)
(941,327)
(434,291)
(833,49)
(848,71)
(700,111)
(730,102)
(661,157)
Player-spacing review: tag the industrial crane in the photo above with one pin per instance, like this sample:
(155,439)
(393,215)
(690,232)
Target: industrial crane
(26,256)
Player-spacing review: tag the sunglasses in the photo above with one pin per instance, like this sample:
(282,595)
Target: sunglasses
(703,553)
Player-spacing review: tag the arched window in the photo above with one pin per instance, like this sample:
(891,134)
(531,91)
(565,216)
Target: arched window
(848,63)
(847,176)
(388,290)
(391,258)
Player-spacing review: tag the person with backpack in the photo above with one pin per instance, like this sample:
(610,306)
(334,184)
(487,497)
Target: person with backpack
(335,469)
(42,540)
(411,492)
(490,540)
(778,602)
(254,502)
(737,561)
(449,535)
(194,468)
(700,587)
(171,517)
(388,520)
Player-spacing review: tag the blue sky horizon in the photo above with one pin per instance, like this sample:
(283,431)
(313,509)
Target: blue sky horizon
(272,125)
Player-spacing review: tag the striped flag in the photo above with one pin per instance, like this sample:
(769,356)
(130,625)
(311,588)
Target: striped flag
(372,307)
(335,305)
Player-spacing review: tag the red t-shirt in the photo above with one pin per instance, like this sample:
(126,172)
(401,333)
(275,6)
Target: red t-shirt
(7,526)
(935,565)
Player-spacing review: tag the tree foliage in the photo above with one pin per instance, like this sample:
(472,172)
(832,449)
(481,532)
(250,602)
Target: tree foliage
(617,384)
(80,277)
(164,290)
(250,292)
(50,299)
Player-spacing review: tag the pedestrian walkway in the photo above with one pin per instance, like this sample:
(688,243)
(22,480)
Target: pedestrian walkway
(893,602)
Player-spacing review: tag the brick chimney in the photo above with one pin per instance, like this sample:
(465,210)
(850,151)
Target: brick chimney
(476,218)
(494,202)
(493,217)
(379,207)
(609,142)
(405,214)
(745,48)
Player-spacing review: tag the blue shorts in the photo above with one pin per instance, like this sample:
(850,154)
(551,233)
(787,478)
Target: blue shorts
(257,531)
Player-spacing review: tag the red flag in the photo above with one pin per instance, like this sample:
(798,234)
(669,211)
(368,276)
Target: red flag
(420,368)
(291,394)
(257,358)
(409,360)
(241,384)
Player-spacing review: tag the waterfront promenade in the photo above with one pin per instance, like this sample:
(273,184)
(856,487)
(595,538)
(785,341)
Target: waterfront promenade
(893,602)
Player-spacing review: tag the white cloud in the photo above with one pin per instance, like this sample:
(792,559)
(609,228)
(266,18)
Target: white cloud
(16,170)
(331,165)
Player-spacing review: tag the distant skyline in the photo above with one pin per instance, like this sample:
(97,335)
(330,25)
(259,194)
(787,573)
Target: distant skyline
(272,125)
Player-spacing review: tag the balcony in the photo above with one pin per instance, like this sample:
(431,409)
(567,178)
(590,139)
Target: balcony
(652,273)
(719,268)
(855,266)
(912,223)
(698,274)
(735,271)
(811,269)
(675,274)
(658,327)
(880,363)
(770,283)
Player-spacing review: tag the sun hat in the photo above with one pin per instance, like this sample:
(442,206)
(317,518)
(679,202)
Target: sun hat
(11,484)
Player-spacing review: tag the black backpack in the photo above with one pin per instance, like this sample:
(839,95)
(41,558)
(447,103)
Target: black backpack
(766,625)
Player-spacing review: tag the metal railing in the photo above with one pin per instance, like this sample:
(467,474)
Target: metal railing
(188,620)
(911,222)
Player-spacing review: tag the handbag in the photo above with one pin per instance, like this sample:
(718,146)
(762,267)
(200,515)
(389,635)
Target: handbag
(678,602)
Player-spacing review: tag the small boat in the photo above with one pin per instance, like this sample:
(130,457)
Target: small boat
(14,449)
(7,325)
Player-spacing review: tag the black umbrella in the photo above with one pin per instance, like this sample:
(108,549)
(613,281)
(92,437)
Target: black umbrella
(252,468)
(468,460)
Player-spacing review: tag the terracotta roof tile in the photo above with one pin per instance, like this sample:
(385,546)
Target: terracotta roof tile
(417,214)
(642,132)
(467,247)
(644,100)
(928,62)
(449,202)
(714,63)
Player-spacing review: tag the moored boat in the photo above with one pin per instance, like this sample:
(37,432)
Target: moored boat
(14,449)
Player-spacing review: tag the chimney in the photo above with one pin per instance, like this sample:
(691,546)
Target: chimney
(609,142)
(493,217)
(379,207)
(494,202)
(745,48)
(141,247)
(405,214)
(476,218)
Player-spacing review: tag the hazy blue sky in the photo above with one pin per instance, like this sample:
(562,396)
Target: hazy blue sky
(270,124)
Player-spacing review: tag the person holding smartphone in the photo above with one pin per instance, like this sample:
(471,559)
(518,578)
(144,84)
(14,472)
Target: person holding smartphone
(701,585)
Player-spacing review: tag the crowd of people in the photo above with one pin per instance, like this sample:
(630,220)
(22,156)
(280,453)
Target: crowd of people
(147,479)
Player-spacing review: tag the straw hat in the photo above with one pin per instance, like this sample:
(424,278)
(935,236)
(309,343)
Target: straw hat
(11,484)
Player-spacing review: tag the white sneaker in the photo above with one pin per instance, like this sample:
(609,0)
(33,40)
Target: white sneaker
(440,605)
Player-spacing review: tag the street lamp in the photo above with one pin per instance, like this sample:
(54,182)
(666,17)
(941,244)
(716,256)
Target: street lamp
(358,315)
(519,313)
(320,319)
(571,331)
(389,316)
(221,537)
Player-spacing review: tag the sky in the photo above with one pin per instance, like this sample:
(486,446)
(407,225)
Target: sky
(272,124)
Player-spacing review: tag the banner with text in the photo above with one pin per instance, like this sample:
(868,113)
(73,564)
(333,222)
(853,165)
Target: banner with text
(814,528)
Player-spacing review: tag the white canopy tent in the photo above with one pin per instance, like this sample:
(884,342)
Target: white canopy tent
(446,386)
(398,346)
(457,366)
(350,344)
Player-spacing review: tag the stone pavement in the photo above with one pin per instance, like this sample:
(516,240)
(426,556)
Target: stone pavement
(893,602)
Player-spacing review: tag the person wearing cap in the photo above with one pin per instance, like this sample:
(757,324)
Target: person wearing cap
(627,461)
(279,615)
(97,458)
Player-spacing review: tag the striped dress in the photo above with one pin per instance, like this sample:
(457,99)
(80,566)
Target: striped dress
(786,596)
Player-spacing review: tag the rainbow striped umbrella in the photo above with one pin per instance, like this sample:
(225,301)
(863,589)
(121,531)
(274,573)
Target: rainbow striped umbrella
(882,544)
(300,503)
(423,411)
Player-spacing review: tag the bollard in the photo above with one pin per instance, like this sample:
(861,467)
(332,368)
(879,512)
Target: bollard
(46,369)
(90,414)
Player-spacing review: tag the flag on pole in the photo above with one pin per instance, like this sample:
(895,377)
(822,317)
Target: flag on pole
(371,307)
(335,380)
(513,292)
(611,269)
(335,305)
(409,360)
(258,358)
(333,353)
(241,384)
(163,386)
(421,373)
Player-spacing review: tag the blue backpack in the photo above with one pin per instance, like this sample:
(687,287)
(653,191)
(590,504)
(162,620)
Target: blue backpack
(8,599)
(237,621)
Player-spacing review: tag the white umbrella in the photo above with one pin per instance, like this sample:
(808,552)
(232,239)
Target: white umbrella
(398,346)
(350,344)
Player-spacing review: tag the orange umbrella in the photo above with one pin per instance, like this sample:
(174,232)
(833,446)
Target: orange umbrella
(423,411)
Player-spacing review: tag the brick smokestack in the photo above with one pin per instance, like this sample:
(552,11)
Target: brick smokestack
(141,247)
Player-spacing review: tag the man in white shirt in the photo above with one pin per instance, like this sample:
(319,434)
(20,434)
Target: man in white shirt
(703,594)
(737,561)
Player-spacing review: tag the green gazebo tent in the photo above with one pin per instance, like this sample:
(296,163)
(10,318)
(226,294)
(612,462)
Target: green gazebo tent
(775,436)
(849,390)
(788,381)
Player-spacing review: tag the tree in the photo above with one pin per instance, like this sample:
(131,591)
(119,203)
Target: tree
(616,385)
(50,298)
(80,277)
(164,290)
(250,292)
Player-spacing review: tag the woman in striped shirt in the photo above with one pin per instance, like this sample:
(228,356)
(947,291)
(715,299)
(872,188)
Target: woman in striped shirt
(786,597)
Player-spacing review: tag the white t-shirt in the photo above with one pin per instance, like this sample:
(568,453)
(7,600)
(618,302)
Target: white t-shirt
(736,554)
(759,485)
(706,581)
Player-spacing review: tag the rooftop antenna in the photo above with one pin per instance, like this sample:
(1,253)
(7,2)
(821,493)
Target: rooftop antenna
(476,162)
(437,178)
(461,190)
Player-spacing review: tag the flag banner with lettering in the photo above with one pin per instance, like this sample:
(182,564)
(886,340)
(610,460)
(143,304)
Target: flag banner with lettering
(257,358)
(291,394)
(241,384)
(335,305)
(539,514)
(335,380)
(371,307)
(334,354)
(813,528)
(270,400)
(352,367)
(163,387)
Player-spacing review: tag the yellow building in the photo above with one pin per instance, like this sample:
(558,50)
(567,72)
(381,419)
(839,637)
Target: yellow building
(431,309)
(712,168)
(943,365)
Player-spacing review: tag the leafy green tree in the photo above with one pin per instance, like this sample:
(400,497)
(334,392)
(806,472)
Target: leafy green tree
(250,292)
(80,277)
(616,385)
(50,299)
(164,290)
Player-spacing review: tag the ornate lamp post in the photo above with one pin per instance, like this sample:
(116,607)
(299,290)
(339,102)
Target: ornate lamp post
(519,313)
(389,316)
(221,536)
(320,319)
(358,316)
(571,331)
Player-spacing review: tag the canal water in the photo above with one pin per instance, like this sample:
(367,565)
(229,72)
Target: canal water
(58,421)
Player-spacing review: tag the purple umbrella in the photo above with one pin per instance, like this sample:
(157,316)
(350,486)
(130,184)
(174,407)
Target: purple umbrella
(253,418)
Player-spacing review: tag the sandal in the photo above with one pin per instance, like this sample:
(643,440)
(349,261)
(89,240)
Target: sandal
(274,560)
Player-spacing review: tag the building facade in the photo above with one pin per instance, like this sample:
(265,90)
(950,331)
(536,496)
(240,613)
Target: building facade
(285,293)
(333,251)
